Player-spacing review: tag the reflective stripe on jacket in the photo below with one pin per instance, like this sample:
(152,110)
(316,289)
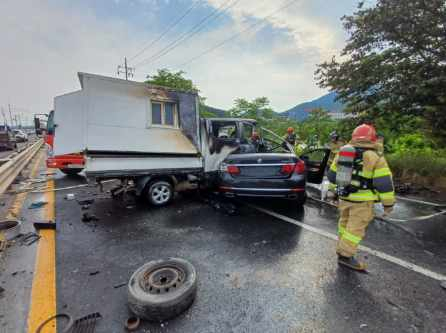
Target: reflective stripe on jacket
(375,167)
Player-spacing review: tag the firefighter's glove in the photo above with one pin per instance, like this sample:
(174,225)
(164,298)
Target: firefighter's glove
(388,210)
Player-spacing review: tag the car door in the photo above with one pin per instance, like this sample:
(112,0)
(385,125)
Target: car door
(316,163)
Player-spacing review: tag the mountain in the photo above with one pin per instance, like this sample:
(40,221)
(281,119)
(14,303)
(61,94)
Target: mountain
(218,113)
(327,102)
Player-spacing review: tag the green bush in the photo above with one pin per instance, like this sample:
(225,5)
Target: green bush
(423,163)
(414,142)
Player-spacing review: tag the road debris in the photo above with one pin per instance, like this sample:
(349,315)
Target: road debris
(48,173)
(3,245)
(94,273)
(69,196)
(87,201)
(116,286)
(87,217)
(85,207)
(363,326)
(86,324)
(37,204)
(44,225)
(66,329)
(29,238)
(132,323)
(10,229)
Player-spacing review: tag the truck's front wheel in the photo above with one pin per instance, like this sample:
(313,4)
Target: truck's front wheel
(159,192)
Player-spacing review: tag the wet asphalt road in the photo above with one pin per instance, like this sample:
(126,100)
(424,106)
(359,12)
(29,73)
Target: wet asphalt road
(256,273)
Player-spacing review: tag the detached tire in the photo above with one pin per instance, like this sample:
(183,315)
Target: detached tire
(71,172)
(159,192)
(162,289)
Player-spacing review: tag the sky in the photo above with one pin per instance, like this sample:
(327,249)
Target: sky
(46,42)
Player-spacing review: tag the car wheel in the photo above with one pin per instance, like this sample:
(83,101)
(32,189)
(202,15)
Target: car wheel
(301,199)
(162,289)
(159,192)
(71,172)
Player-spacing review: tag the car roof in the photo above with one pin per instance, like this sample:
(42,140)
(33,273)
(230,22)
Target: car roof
(233,119)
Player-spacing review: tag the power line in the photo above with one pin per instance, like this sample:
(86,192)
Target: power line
(237,34)
(188,34)
(170,27)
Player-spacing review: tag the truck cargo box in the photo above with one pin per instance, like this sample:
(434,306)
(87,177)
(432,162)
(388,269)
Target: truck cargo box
(128,128)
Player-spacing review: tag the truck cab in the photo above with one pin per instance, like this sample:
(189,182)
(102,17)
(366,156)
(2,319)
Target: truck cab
(70,164)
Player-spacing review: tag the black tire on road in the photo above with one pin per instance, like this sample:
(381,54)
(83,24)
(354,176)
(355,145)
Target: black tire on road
(159,192)
(301,199)
(162,289)
(71,172)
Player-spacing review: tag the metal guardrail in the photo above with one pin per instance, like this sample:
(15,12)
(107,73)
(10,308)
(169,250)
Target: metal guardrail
(10,169)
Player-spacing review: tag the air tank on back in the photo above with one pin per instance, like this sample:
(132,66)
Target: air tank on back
(344,168)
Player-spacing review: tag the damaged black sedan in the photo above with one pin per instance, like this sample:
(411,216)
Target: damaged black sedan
(261,164)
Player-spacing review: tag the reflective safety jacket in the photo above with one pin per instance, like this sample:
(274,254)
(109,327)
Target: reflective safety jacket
(375,169)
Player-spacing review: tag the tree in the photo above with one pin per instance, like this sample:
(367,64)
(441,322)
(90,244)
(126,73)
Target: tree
(319,123)
(176,80)
(394,62)
(257,108)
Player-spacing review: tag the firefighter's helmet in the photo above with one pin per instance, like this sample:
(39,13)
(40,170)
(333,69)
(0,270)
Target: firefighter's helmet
(290,130)
(364,133)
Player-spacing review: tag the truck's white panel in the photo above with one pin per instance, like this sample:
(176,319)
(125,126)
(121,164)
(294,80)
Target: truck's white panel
(118,119)
(69,117)
(105,165)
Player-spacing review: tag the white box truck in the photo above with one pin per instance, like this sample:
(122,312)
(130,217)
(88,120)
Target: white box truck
(153,140)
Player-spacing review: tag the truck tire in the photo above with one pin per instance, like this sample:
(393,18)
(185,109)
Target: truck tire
(159,192)
(162,289)
(71,172)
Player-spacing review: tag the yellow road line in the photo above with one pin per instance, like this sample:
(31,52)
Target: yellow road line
(43,295)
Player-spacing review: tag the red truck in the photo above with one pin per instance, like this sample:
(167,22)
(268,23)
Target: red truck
(70,164)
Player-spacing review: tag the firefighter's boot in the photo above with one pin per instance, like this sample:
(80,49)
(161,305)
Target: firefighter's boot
(352,263)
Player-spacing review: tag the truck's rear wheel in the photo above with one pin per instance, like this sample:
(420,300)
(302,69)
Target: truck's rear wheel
(159,192)
(71,172)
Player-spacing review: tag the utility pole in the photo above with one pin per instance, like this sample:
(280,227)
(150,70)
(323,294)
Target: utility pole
(126,70)
(10,115)
(4,117)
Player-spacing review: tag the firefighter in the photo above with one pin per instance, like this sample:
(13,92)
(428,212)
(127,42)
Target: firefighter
(257,142)
(369,180)
(335,144)
(291,137)
(380,143)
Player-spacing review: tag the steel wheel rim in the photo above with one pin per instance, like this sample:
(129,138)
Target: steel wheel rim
(161,194)
(162,280)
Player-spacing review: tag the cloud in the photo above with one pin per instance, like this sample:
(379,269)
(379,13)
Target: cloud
(46,44)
